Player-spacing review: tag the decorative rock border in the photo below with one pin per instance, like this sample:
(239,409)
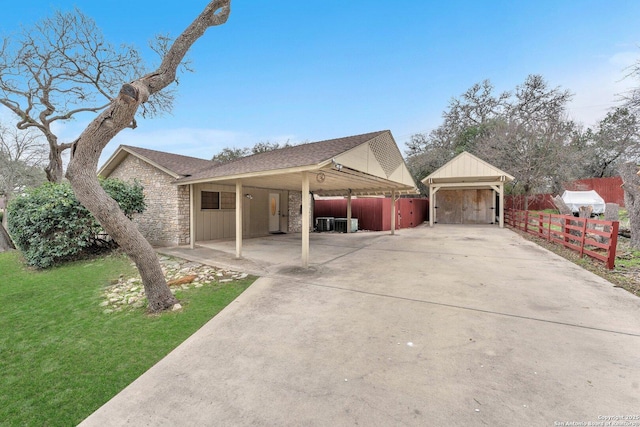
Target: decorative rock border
(180,275)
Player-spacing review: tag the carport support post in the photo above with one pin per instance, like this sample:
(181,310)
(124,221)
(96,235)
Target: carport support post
(192,217)
(499,188)
(494,207)
(501,207)
(239,203)
(349,212)
(305,219)
(432,204)
(393,212)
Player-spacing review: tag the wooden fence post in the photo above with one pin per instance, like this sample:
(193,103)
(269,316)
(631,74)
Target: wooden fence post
(613,244)
(583,237)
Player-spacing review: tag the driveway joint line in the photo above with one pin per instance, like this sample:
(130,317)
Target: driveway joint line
(462,307)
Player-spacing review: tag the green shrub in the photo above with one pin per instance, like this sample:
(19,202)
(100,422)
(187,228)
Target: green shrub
(50,226)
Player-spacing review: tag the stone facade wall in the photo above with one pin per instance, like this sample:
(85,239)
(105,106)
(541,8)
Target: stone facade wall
(165,222)
(184,210)
(295,217)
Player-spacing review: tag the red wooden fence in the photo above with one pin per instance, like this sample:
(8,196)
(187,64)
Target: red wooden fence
(595,238)
(535,202)
(374,214)
(610,189)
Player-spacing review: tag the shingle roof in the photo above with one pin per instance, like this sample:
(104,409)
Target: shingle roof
(289,157)
(179,164)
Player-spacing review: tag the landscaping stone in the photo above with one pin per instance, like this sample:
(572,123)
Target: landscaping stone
(181,274)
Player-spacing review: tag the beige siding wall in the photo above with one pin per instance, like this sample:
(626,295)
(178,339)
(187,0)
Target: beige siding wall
(221,223)
(166,219)
(214,224)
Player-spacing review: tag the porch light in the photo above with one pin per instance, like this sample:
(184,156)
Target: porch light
(248,196)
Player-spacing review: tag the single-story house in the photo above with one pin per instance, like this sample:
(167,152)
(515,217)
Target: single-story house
(466,190)
(191,199)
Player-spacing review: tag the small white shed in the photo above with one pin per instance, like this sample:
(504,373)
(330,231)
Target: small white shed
(466,190)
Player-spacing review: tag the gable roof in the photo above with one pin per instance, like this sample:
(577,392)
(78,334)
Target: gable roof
(464,168)
(310,154)
(365,164)
(176,165)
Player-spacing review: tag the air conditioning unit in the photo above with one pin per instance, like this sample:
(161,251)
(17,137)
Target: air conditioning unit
(341,225)
(325,223)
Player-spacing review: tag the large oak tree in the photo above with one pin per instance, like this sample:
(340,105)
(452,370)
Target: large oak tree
(62,68)
(120,114)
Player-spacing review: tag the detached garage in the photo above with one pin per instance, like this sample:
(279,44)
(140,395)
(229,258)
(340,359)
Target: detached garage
(466,190)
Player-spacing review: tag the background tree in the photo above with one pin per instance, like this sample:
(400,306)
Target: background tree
(118,115)
(62,68)
(264,146)
(22,154)
(464,122)
(631,186)
(524,132)
(232,153)
(532,138)
(632,97)
(614,141)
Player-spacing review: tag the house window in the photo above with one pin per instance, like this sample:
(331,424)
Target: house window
(217,200)
(227,200)
(210,200)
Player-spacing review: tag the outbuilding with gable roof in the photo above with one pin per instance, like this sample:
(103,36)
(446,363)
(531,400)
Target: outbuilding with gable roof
(467,190)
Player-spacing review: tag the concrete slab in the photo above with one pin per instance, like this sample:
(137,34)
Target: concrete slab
(450,325)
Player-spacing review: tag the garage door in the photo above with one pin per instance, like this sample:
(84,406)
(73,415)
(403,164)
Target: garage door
(464,207)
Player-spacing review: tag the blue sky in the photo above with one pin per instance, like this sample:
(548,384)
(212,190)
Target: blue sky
(294,70)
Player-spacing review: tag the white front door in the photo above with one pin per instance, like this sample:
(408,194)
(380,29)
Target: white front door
(274,212)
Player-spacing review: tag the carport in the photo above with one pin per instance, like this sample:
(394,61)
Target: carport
(466,190)
(360,165)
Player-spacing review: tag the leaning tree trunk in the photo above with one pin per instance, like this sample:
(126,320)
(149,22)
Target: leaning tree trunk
(631,187)
(6,244)
(120,114)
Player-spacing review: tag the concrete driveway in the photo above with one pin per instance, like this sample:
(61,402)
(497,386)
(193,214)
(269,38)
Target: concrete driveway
(451,325)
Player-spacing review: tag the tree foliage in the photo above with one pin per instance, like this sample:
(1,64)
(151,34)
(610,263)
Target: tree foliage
(614,141)
(631,185)
(50,226)
(61,68)
(232,153)
(523,132)
(21,156)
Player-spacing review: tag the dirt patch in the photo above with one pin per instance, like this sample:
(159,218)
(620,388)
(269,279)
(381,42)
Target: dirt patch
(623,276)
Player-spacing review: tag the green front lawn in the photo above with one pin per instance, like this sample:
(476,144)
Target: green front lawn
(62,357)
